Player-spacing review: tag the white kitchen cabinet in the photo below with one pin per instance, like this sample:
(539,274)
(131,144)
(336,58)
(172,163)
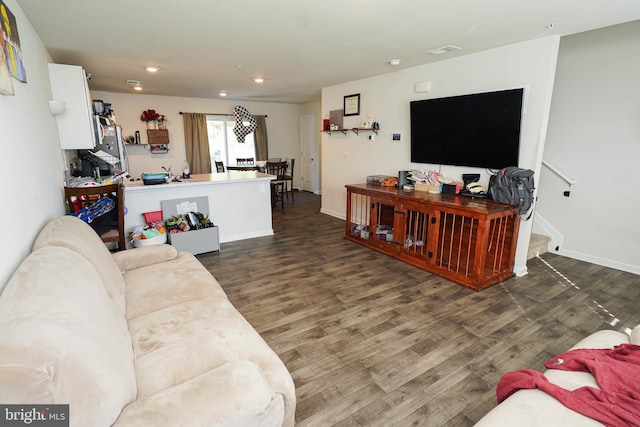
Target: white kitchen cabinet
(75,123)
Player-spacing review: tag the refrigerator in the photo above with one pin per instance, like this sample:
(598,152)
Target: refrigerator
(109,155)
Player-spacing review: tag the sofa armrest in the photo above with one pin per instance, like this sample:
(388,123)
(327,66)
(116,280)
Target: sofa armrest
(144,256)
(233,394)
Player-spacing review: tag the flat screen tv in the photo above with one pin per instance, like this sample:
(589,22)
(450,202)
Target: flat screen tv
(480,130)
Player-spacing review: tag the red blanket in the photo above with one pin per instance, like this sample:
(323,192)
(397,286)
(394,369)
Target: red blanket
(617,372)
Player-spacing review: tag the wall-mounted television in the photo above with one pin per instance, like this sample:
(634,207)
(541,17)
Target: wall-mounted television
(480,130)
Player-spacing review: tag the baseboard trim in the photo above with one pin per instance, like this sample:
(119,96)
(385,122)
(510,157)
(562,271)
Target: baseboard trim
(333,214)
(243,236)
(629,268)
(520,271)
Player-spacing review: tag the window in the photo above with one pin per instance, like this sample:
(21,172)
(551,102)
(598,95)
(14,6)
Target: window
(223,145)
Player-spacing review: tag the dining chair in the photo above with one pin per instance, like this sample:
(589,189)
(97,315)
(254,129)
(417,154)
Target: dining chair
(288,179)
(277,185)
(241,161)
(219,167)
(109,226)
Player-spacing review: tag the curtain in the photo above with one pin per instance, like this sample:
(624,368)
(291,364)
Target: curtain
(196,142)
(261,139)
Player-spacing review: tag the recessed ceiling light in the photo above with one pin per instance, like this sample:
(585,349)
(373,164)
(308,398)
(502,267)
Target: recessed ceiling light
(258,79)
(394,62)
(444,49)
(137,88)
(222,93)
(153,69)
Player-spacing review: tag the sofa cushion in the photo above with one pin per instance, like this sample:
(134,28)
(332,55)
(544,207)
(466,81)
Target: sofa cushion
(235,394)
(635,335)
(210,327)
(182,325)
(144,256)
(63,340)
(73,233)
(534,408)
(155,287)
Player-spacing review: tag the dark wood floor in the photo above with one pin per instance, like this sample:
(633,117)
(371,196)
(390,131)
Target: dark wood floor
(372,341)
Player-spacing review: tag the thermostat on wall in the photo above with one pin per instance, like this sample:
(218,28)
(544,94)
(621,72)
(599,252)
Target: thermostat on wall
(396,137)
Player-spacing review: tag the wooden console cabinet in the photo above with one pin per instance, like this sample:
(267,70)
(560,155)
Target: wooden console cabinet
(469,241)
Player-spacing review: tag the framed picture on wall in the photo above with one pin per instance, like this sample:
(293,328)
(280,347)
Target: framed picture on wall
(6,86)
(352,105)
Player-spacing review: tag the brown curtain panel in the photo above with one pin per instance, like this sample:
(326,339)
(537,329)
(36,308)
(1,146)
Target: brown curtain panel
(261,138)
(196,142)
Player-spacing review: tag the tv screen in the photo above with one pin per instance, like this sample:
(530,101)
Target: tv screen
(480,130)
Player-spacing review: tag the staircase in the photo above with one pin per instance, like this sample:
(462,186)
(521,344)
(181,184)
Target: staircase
(538,245)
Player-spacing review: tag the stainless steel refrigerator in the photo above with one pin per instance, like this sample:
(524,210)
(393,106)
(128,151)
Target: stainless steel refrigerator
(110,148)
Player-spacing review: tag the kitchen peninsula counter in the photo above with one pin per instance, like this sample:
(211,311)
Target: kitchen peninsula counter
(239,201)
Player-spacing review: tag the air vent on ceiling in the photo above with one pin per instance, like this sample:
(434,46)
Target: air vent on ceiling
(444,49)
(133,82)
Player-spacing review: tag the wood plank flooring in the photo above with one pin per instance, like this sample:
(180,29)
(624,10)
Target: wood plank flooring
(371,341)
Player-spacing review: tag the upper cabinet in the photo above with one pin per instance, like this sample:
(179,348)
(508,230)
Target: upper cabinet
(75,125)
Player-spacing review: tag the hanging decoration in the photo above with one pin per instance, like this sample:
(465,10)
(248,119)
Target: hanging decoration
(245,123)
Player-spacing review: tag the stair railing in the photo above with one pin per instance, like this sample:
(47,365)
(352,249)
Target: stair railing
(558,172)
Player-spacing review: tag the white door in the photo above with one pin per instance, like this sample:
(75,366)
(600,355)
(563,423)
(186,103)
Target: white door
(310,161)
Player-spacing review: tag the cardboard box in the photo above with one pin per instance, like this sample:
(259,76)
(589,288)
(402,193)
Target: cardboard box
(421,186)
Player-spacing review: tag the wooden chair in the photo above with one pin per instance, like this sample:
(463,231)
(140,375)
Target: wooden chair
(288,179)
(277,185)
(245,161)
(80,197)
(219,167)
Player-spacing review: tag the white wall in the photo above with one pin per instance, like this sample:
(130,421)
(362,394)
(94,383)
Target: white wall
(282,125)
(594,137)
(349,159)
(31,176)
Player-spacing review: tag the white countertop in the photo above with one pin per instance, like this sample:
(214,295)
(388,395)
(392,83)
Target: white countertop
(230,177)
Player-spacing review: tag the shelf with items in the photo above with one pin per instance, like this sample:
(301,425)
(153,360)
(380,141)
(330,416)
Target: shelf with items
(354,130)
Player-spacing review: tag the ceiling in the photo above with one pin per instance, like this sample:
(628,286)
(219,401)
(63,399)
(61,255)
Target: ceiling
(203,47)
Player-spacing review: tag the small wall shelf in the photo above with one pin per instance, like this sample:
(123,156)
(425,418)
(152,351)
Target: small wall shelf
(354,130)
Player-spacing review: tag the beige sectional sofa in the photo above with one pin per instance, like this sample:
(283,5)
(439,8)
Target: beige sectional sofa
(535,408)
(143,337)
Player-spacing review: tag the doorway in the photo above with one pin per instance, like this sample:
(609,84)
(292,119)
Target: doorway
(309,149)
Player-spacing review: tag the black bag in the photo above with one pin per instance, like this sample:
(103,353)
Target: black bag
(514,186)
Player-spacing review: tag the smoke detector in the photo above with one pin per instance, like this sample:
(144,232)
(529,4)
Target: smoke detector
(444,49)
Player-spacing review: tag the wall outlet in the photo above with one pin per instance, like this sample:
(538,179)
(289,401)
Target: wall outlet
(372,137)
(396,137)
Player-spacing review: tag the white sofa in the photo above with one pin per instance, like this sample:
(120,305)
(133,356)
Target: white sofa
(535,408)
(143,337)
